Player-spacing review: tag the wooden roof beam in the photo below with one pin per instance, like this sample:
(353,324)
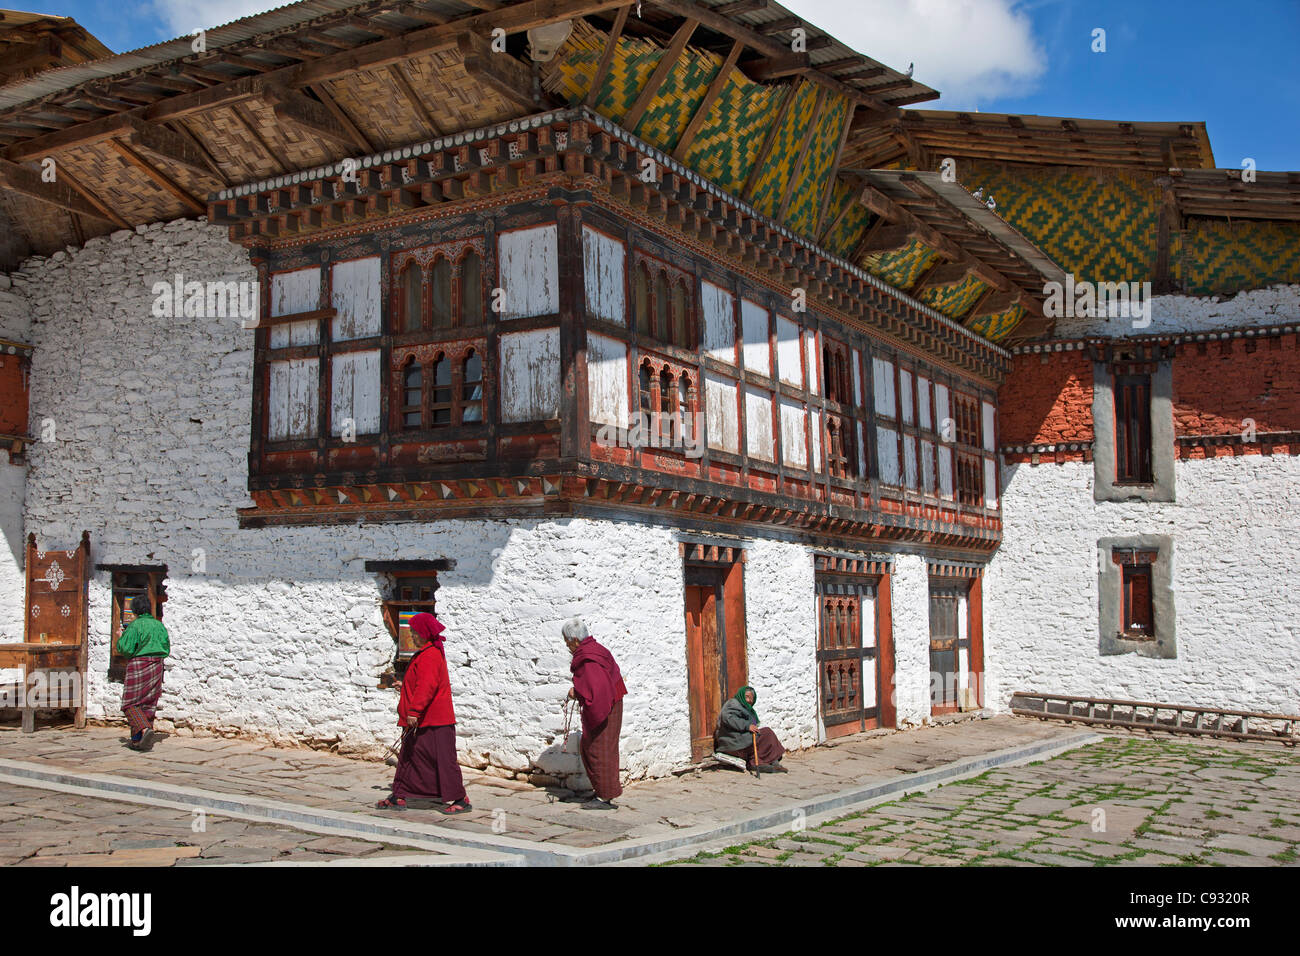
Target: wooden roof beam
(775,67)
(158,176)
(765,150)
(783,25)
(945,273)
(407,89)
(887,238)
(164,144)
(343,118)
(656,81)
(834,176)
(993,302)
(24,181)
(501,72)
(371,56)
(710,97)
(91,198)
(250,124)
(802,158)
(606,57)
(740,6)
(883,206)
(308,115)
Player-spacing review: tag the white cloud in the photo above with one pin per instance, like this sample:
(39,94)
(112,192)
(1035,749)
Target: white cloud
(968,50)
(182,17)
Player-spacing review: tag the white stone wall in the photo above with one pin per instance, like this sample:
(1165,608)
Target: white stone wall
(15,314)
(781,621)
(279,630)
(910,607)
(1184,313)
(1236,534)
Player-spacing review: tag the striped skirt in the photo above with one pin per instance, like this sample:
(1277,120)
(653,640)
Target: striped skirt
(140,693)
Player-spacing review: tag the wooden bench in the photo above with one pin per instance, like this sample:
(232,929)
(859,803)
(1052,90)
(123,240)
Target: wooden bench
(52,660)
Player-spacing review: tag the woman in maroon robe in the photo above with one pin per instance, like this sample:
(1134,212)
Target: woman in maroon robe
(598,684)
(427,767)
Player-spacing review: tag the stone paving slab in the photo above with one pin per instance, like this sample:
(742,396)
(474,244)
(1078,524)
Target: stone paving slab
(92,832)
(515,811)
(1122,801)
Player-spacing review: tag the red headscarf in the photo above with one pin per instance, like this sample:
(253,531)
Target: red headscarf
(429,628)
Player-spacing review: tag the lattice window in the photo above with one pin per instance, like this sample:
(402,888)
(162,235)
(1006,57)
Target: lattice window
(439,287)
(440,388)
(667,402)
(410,311)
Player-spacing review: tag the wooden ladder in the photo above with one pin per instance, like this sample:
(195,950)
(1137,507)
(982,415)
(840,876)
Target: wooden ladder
(1168,718)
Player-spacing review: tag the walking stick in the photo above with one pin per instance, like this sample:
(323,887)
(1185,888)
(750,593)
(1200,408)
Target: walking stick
(754,734)
(394,750)
(570,706)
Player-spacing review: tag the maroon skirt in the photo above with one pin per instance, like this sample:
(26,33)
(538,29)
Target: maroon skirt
(599,749)
(427,767)
(769,749)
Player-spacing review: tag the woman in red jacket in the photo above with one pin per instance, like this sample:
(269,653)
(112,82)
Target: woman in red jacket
(427,767)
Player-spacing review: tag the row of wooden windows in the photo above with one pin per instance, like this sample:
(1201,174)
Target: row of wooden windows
(443,296)
(442,392)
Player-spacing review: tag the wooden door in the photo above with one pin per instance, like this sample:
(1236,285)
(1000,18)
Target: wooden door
(945,637)
(848,655)
(715,648)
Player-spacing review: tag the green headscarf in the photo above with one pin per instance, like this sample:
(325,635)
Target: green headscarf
(740,696)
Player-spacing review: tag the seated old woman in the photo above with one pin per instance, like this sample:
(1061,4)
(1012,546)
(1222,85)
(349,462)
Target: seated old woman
(739,734)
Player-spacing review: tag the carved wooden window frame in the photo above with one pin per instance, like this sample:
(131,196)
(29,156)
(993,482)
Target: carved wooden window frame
(675,281)
(651,403)
(426,356)
(425,258)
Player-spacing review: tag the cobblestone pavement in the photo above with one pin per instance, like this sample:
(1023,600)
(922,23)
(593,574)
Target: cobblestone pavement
(1121,801)
(517,809)
(40,828)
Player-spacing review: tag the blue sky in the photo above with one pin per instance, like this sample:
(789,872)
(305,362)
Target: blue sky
(1231,65)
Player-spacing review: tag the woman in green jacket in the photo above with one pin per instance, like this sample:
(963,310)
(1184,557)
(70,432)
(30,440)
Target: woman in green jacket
(146,643)
(739,734)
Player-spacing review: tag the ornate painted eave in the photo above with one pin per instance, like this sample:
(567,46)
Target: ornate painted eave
(607,491)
